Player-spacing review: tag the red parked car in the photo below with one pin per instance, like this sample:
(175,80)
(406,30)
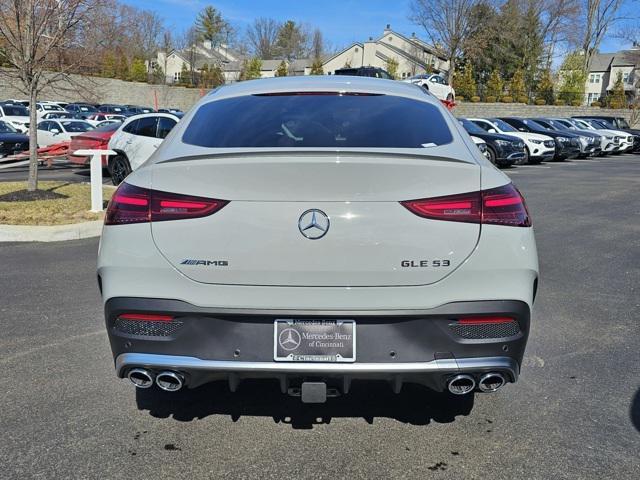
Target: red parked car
(93,139)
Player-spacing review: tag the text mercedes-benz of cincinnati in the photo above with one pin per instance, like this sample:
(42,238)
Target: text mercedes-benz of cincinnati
(318,231)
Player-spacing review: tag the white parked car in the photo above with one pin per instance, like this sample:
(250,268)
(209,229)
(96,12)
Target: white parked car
(56,131)
(538,147)
(64,115)
(435,84)
(96,118)
(15,115)
(136,141)
(43,108)
(318,230)
(614,141)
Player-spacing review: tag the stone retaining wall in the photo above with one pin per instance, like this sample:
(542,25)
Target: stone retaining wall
(110,90)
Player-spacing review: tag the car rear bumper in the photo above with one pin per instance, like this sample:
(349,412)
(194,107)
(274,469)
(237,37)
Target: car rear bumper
(425,347)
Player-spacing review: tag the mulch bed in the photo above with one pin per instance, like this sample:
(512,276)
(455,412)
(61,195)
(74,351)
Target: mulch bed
(27,196)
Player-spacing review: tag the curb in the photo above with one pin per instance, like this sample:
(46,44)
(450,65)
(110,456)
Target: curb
(53,233)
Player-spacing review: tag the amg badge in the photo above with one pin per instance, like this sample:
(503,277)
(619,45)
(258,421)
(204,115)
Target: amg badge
(205,263)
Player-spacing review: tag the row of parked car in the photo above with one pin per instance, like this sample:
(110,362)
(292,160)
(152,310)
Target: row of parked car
(506,141)
(16,112)
(88,126)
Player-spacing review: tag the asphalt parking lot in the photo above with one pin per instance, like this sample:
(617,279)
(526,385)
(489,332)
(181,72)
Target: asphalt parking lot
(58,171)
(575,412)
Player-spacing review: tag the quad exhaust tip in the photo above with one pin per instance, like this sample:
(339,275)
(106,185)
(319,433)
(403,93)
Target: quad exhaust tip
(169,381)
(491,382)
(140,377)
(461,384)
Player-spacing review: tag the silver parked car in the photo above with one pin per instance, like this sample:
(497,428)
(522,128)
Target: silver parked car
(316,231)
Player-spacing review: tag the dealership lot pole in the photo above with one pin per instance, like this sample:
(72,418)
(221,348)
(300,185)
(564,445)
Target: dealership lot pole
(96,175)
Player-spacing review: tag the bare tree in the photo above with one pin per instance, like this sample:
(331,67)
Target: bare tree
(33,33)
(597,18)
(447,23)
(147,34)
(317,44)
(262,35)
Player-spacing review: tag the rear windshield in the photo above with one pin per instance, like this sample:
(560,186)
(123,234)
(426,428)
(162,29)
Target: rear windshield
(77,126)
(15,111)
(317,120)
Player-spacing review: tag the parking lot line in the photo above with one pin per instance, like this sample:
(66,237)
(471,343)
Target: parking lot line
(17,164)
(532,166)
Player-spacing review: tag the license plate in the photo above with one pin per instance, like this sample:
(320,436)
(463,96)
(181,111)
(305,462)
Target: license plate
(314,340)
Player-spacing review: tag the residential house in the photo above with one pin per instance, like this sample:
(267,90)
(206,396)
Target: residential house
(604,71)
(413,55)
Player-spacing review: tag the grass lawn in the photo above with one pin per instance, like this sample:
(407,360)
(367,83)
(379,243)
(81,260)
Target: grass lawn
(55,203)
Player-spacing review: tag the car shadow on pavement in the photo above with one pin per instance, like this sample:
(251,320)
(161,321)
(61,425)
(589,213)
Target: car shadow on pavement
(415,405)
(634,411)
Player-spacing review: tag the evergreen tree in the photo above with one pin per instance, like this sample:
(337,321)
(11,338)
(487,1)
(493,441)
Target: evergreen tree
(495,85)
(573,78)
(122,67)
(545,87)
(138,71)
(391,66)
(464,83)
(291,42)
(316,67)
(251,69)
(109,65)
(211,27)
(185,75)
(617,99)
(282,70)
(517,87)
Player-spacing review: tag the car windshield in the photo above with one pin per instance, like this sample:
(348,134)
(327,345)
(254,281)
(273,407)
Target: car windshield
(108,127)
(318,120)
(471,127)
(6,128)
(565,124)
(51,108)
(582,124)
(533,124)
(15,111)
(503,126)
(76,126)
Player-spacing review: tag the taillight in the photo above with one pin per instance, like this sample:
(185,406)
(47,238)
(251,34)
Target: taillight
(131,204)
(497,206)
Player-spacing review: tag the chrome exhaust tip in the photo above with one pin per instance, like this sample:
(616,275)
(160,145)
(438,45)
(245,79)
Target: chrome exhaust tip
(169,381)
(461,384)
(140,377)
(491,382)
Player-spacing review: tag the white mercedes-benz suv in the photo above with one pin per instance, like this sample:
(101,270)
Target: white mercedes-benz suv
(318,231)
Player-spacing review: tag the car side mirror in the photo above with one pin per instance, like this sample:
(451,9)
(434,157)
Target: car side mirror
(522,129)
(492,130)
(55,131)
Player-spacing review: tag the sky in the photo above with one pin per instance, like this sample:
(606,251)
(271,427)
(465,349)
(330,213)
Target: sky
(342,22)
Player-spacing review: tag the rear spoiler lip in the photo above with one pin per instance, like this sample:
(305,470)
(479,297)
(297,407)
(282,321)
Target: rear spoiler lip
(314,153)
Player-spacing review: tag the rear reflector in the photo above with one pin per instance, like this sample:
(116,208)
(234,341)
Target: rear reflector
(497,206)
(131,204)
(484,320)
(146,317)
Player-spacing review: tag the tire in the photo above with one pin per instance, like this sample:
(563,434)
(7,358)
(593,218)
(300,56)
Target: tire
(527,156)
(492,155)
(119,168)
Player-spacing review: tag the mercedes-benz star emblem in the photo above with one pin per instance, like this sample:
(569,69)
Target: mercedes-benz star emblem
(313,224)
(289,339)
